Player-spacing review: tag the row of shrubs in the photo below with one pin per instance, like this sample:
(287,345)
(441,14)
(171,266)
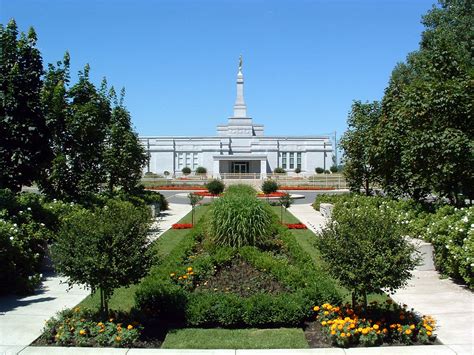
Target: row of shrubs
(449,229)
(30,223)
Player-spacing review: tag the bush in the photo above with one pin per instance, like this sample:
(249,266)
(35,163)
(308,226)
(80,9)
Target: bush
(334,169)
(279,171)
(241,189)
(105,248)
(238,220)
(269,186)
(327,172)
(319,170)
(297,170)
(201,170)
(330,198)
(363,243)
(215,186)
(166,173)
(186,170)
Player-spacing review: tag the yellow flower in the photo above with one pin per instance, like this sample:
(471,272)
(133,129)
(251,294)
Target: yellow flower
(130,327)
(189,269)
(352,326)
(111,320)
(340,327)
(429,328)
(117,338)
(428,333)
(316,308)
(365,331)
(82,332)
(343,335)
(408,331)
(100,324)
(77,309)
(172,274)
(333,332)
(376,327)
(412,326)
(185,276)
(326,313)
(323,323)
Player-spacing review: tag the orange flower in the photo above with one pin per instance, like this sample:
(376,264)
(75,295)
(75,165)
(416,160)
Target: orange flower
(82,332)
(316,308)
(428,333)
(408,331)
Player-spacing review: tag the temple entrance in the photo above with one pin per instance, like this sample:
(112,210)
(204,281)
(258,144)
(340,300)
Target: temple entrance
(239,167)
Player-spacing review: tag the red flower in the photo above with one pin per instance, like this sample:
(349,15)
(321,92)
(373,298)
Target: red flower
(296,226)
(182,226)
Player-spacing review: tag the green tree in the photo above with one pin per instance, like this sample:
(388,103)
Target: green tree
(124,156)
(285,202)
(358,143)
(426,133)
(104,249)
(193,201)
(24,148)
(364,247)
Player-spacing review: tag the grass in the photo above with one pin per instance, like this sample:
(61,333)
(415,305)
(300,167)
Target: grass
(193,338)
(123,298)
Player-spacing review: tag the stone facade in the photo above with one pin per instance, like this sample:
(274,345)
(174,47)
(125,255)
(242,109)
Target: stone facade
(240,147)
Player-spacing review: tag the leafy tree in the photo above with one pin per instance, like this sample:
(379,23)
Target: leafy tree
(426,132)
(104,249)
(358,143)
(364,247)
(124,155)
(201,170)
(215,186)
(24,149)
(186,170)
(269,186)
(285,202)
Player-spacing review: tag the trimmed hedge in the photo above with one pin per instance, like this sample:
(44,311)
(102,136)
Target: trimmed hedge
(158,295)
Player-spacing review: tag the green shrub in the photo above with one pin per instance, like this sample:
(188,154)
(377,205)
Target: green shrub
(279,171)
(238,220)
(363,244)
(201,170)
(215,186)
(269,186)
(298,170)
(334,169)
(241,189)
(330,198)
(327,171)
(186,170)
(105,248)
(166,173)
(319,170)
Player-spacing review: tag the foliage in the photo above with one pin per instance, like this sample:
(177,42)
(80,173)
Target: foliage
(105,248)
(297,170)
(237,220)
(201,170)
(285,202)
(269,186)
(279,170)
(362,243)
(319,170)
(79,327)
(374,325)
(215,186)
(24,149)
(166,173)
(124,156)
(193,201)
(186,170)
(334,169)
(424,138)
(241,189)
(27,223)
(330,198)
(358,144)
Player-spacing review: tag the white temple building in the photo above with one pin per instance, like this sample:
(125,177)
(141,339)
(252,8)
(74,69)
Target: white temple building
(240,147)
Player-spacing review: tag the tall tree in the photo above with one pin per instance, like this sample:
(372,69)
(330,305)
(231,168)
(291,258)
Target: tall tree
(358,143)
(427,130)
(24,149)
(124,156)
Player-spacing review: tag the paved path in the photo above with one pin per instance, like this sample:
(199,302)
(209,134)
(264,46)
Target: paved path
(309,216)
(22,318)
(450,304)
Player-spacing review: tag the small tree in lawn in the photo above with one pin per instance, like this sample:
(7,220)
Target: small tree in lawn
(193,201)
(365,249)
(285,202)
(104,249)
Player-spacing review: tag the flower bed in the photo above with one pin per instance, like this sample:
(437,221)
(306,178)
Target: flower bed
(182,226)
(205,194)
(310,188)
(296,225)
(273,194)
(374,325)
(176,188)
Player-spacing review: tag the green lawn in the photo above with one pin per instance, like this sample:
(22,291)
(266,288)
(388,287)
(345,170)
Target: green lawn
(192,338)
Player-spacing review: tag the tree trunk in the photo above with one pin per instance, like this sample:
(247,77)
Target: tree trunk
(367,187)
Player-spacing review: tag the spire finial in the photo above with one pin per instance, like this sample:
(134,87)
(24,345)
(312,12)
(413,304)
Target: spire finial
(240,63)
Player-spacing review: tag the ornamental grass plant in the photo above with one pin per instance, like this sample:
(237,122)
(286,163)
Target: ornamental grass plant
(237,220)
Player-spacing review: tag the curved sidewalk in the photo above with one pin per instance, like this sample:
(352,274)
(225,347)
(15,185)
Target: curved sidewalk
(22,318)
(450,304)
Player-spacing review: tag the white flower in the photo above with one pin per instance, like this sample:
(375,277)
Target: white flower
(29,208)
(11,238)
(14,225)
(42,224)
(465,219)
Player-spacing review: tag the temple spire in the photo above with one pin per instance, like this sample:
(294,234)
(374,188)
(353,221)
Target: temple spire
(240,109)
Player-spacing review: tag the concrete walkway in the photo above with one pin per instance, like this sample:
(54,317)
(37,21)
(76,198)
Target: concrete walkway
(450,304)
(309,216)
(22,318)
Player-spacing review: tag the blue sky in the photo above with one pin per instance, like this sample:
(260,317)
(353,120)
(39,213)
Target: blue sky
(304,61)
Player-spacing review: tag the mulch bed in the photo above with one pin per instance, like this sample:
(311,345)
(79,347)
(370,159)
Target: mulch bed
(314,335)
(176,188)
(308,188)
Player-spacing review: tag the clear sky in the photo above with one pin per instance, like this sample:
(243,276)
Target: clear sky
(304,61)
